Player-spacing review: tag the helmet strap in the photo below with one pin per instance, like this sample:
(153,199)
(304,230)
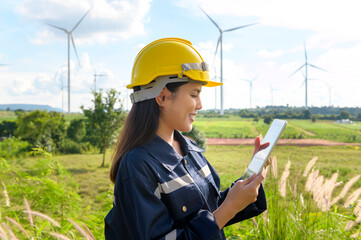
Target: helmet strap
(153,89)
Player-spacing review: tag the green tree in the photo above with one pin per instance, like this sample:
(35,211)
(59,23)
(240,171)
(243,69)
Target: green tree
(314,118)
(268,119)
(358,117)
(76,130)
(198,136)
(42,129)
(307,114)
(7,128)
(345,115)
(104,120)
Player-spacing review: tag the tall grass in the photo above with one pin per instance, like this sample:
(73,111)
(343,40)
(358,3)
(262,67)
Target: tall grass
(306,213)
(50,190)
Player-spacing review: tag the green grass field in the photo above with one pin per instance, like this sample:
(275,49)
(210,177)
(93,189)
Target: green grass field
(11,116)
(237,127)
(7,116)
(95,188)
(230,163)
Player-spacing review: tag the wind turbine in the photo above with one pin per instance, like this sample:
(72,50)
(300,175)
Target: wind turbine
(95,76)
(220,42)
(70,38)
(272,90)
(329,92)
(305,65)
(250,89)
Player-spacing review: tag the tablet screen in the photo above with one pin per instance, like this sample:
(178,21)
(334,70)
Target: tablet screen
(260,157)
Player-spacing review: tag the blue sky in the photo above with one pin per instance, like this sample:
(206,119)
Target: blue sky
(114,31)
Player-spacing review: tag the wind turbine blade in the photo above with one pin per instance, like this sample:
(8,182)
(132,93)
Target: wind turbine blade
(317,67)
(296,71)
(303,83)
(232,29)
(304,47)
(215,53)
(255,78)
(243,79)
(60,28)
(211,20)
(326,83)
(76,53)
(303,74)
(81,20)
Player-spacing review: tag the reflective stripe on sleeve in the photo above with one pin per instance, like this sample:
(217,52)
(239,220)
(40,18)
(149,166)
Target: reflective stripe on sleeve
(173,185)
(172,235)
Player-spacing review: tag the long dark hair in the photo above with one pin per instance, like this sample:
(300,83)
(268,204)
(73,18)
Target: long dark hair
(139,128)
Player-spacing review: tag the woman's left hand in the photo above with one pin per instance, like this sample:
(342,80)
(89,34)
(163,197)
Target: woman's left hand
(258,146)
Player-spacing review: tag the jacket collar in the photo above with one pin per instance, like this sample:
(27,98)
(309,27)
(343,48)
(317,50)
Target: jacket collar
(165,153)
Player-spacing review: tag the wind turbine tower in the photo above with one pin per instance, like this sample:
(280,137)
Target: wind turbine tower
(272,90)
(95,74)
(70,38)
(329,93)
(250,89)
(220,42)
(305,65)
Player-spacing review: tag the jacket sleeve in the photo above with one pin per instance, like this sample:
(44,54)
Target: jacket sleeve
(139,212)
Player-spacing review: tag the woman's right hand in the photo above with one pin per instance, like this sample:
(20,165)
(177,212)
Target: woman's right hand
(242,193)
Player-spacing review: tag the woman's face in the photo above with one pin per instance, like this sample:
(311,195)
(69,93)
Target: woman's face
(180,111)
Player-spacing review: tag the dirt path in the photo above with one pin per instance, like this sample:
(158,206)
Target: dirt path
(285,142)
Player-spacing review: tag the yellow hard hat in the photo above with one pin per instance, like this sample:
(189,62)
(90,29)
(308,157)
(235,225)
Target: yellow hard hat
(169,56)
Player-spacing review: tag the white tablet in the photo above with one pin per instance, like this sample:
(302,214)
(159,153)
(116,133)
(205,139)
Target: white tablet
(260,157)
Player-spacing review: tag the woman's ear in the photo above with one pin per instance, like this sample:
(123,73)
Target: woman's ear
(162,97)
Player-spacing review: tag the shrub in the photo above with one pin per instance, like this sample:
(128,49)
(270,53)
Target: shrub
(268,119)
(76,130)
(47,185)
(7,128)
(71,146)
(13,147)
(198,136)
(42,129)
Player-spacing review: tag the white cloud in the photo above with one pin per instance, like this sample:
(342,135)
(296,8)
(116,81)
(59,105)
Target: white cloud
(339,19)
(106,21)
(268,54)
(45,88)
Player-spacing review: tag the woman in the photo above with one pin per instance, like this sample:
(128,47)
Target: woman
(164,186)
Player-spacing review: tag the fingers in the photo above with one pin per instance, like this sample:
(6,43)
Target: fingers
(250,179)
(263,146)
(256,181)
(257,144)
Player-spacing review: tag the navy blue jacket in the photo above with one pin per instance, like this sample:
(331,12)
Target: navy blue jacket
(160,194)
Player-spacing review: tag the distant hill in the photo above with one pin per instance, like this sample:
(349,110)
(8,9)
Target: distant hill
(28,107)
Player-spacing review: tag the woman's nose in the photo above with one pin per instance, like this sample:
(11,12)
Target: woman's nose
(199,104)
